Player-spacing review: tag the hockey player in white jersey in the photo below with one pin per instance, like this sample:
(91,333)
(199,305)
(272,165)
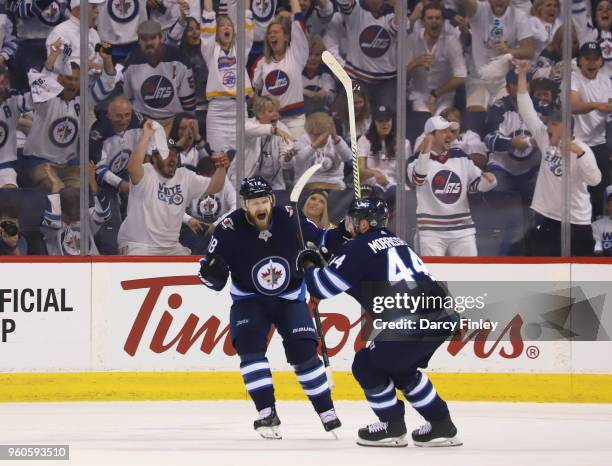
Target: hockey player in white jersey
(11,107)
(602,229)
(443,177)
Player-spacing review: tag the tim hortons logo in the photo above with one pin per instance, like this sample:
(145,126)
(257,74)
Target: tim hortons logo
(209,333)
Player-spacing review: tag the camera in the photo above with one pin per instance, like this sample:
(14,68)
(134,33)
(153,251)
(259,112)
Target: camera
(10,227)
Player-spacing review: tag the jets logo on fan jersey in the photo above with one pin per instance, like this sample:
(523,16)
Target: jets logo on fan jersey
(262,10)
(171,195)
(51,15)
(208,208)
(374,41)
(229,79)
(553,161)
(271,275)
(63,131)
(446,186)
(120,161)
(122,11)
(157,91)
(3,133)
(277,82)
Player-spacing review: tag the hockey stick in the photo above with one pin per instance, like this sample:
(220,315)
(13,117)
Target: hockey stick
(345,79)
(294,199)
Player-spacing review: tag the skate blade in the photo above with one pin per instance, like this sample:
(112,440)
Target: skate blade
(440,442)
(334,432)
(269,433)
(394,442)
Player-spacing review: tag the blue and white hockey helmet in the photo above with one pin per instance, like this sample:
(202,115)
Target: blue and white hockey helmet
(372,209)
(254,187)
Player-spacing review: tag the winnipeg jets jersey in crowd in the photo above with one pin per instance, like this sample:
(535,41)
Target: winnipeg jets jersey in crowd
(547,199)
(10,111)
(262,263)
(371,42)
(442,192)
(376,264)
(69,32)
(331,157)
(156,207)
(118,20)
(587,31)
(283,79)
(159,91)
(36,18)
(602,233)
(62,239)
(505,123)
(211,208)
(111,151)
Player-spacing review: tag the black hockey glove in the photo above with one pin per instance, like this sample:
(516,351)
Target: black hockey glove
(213,272)
(307,258)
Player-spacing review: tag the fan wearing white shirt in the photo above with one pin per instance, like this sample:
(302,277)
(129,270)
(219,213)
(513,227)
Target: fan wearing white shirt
(590,100)
(436,65)
(544,20)
(545,237)
(497,29)
(160,193)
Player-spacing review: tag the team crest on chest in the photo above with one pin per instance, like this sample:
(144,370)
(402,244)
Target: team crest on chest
(123,11)
(271,275)
(446,186)
(3,133)
(63,131)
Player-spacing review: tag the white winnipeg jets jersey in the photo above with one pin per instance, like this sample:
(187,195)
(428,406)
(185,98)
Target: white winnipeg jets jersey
(10,111)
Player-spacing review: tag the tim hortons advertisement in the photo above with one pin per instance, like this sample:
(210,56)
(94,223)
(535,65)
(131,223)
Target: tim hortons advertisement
(45,314)
(150,317)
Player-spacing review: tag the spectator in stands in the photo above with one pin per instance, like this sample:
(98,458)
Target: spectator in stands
(497,29)
(545,237)
(317,15)
(118,23)
(591,101)
(595,25)
(279,72)
(186,132)
(363,114)
(207,211)
(11,242)
(160,193)
(544,20)
(335,38)
(371,58)
(34,20)
(191,46)
(443,177)
(549,64)
(166,12)
(268,145)
(8,42)
(435,63)
(219,52)
(321,144)
(602,229)
(61,226)
(68,33)
(378,152)
(315,208)
(319,85)
(156,77)
(11,108)
(514,157)
(55,128)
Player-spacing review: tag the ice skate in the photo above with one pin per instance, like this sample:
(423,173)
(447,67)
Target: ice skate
(438,434)
(268,424)
(330,421)
(383,434)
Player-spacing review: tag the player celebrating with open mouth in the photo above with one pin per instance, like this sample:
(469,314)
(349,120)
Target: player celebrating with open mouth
(258,245)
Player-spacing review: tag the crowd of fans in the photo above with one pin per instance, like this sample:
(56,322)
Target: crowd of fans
(483,147)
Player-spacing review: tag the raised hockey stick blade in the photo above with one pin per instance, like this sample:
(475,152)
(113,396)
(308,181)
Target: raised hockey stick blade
(301,182)
(347,83)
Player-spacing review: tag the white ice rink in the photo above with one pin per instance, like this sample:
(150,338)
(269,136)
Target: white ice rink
(220,433)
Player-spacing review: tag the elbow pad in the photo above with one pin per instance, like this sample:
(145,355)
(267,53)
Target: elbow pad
(214,272)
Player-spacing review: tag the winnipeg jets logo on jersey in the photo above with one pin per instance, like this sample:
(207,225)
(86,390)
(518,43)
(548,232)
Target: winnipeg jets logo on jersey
(446,186)
(229,79)
(606,240)
(51,15)
(271,275)
(327,163)
(63,131)
(554,161)
(157,91)
(374,41)
(277,82)
(4,131)
(208,207)
(122,11)
(120,161)
(262,10)
(606,48)
(171,195)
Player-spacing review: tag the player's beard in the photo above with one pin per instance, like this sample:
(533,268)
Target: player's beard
(260,217)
